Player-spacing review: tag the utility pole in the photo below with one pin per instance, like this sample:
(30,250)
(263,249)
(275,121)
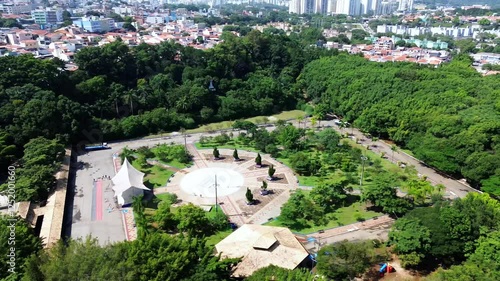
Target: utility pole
(183,131)
(216,202)
(363,159)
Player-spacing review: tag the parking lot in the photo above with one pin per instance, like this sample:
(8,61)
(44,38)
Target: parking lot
(94,210)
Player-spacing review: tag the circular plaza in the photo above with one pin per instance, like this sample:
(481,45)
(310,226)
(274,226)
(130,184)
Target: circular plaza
(225,182)
(212,182)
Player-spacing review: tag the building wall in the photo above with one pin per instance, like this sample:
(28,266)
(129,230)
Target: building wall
(349,7)
(95,24)
(47,16)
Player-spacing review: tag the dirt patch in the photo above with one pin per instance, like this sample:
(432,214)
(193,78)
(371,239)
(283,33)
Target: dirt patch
(260,201)
(400,274)
(278,178)
(158,163)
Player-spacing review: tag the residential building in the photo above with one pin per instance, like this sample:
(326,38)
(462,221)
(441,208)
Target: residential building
(331,7)
(308,6)
(387,7)
(47,17)
(366,6)
(321,6)
(156,19)
(349,7)
(405,5)
(12,9)
(95,24)
(455,32)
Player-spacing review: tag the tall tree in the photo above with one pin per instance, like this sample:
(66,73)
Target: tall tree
(411,241)
(345,260)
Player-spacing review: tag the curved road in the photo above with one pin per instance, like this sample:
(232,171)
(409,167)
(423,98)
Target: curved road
(454,188)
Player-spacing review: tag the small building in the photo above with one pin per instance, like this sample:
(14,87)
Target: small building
(259,246)
(128,183)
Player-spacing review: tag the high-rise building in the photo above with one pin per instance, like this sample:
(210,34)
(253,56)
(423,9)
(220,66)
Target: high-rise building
(331,7)
(349,7)
(307,6)
(321,7)
(375,6)
(366,6)
(405,5)
(387,7)
(294,7)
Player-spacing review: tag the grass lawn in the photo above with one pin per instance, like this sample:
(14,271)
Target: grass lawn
(217,237)
(229,145)
(309,180)
(176,164)
(162,196)
(155,176)
(345,215)
(285,115)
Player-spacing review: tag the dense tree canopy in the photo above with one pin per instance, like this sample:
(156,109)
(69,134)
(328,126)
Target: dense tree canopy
(345,260)
(16,234)
(154,257)
(447,232)
(449,116)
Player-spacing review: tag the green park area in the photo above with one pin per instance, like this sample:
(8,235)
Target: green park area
(163,215)
(158,163)
(329,166)
(354,212)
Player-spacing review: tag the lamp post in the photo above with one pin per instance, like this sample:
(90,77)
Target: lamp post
(216,193)
(183,132)
(363,159)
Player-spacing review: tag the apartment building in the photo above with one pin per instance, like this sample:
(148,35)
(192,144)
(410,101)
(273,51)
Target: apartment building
(13,9)
(95,24)
(47,17)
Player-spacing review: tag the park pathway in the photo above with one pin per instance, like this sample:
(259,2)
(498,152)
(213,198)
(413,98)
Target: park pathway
(198,159)
(231,210)
(271,210)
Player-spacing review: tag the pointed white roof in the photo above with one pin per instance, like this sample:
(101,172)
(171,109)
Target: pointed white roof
(128,177)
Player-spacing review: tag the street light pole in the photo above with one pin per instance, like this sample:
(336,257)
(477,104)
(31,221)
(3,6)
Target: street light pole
(363,159)
(216,193)
(183,131)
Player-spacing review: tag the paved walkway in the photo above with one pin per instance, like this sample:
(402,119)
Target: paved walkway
(198,158)
(53,212)
(352,227)
(370,229)
(126,213)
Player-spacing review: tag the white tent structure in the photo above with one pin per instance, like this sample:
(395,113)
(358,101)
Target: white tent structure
(127,183)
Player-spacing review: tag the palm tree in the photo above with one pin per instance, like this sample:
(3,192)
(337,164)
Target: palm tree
(342,126)
(318,118)
(313,122)
(127,153)
(300,119)
(130,98)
